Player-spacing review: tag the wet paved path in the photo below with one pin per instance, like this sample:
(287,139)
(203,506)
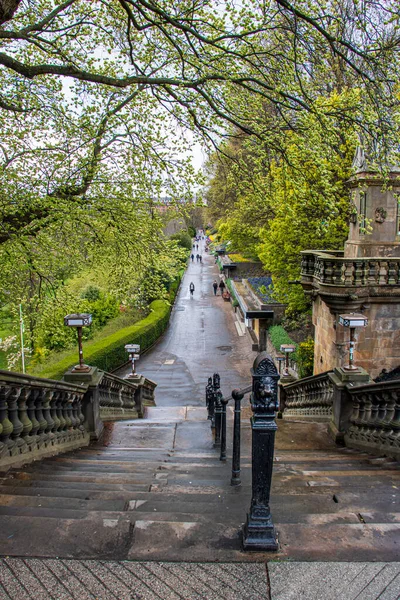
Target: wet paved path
(201,339)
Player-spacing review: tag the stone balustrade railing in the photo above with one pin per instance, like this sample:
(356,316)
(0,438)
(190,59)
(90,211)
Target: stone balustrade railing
(308,398)
(39,417)
(42,417)
(375,418)
(331,268)
(118,399)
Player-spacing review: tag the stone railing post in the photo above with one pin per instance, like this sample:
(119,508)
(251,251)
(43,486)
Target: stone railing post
(342,406)
(91,400)
(259,531)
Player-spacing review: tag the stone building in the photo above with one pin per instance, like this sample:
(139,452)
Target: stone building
(363,278)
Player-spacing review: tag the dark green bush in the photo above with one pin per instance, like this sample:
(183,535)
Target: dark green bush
(278,336)
(91,293)
(183,239)
(191,231)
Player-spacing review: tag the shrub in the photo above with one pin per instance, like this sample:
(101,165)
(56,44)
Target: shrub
(305,358)
(91,293)
(109,353)
(191,231)
(278,336)
(183,239)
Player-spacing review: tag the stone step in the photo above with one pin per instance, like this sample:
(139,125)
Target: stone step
(61,503)
(66,538)
(72,476)
(74,485)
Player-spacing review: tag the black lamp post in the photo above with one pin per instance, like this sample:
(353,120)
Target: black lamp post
(79,320)
(352,320)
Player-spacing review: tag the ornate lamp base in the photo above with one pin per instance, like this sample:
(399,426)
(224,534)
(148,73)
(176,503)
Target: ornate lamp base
(259,535)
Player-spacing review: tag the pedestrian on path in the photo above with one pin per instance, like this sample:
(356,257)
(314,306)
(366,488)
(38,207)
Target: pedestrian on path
(192,257)
(197,257)
(200,258)
(191,288)
(222,286)
(215,286)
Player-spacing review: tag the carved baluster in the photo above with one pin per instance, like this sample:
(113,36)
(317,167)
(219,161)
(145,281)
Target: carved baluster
(75,418)
(68,411)
(16,442)
(6,424)
(60,415)
(383,272)
(48,398)
(81,416)
(54,415)
(328,271)
(371,272)
(40,417)
(23,415)
(392,272)
(31,404)
(358,272)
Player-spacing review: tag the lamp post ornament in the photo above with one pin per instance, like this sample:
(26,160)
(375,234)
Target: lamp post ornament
(352,320)
(79,320)
(259,531)
(133,351)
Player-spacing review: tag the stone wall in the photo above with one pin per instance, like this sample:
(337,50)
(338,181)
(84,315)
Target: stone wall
(325,349)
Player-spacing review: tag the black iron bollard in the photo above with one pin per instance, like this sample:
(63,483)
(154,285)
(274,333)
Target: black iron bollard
(216,381)
(224,402)
(210,399)
(238,397)
(217,418)
(259,531)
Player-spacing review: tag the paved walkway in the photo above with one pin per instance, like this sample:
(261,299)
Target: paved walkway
(177,529)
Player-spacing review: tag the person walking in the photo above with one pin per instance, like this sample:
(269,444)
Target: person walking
(215,286)
(192,257)
(200,258)
(197,257)
(191,288)
(222,286)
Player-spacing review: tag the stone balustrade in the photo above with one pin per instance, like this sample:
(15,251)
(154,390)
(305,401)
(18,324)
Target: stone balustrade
(308,398)
(332,269)
(39,417)
(117,399)
(375,418)
(42,417)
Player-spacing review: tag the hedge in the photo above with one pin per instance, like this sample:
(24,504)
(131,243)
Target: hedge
(278,336)
(109,353)
(234,300)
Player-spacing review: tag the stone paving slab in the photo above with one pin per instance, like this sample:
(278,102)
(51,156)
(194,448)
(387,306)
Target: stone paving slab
(333,581)
(45,579)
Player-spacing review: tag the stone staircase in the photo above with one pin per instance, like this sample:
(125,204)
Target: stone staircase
(157,490)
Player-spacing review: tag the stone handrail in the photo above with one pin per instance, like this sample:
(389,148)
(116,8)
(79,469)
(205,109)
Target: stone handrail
(308,398)
(331,268)
(375,418)
(39,417)
(118,399)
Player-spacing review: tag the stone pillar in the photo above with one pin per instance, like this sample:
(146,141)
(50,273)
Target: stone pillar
(342,406)
(91,401)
